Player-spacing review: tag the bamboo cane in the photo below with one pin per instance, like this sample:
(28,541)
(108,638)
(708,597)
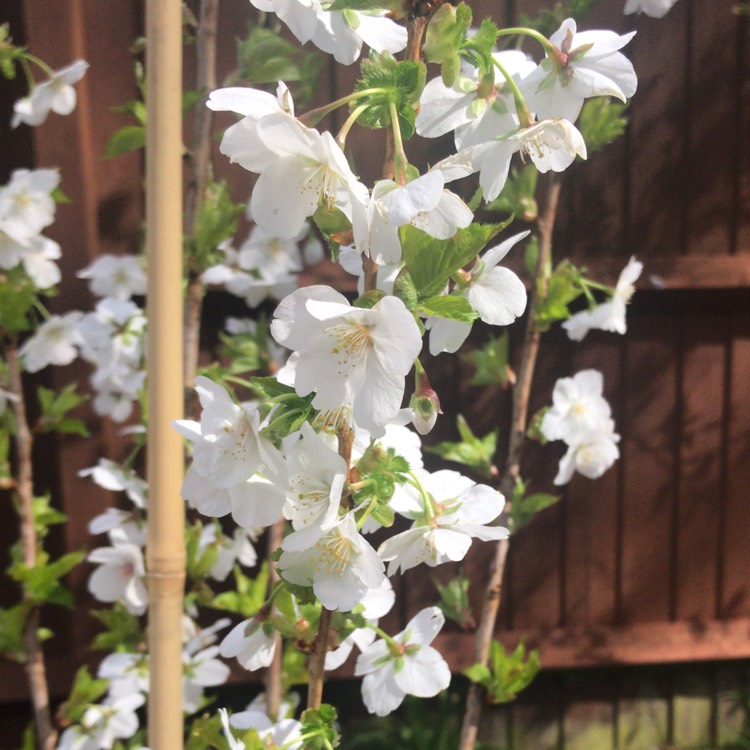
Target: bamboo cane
(165,552)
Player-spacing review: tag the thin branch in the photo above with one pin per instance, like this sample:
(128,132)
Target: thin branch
(199,168)
(35,667)
(273,673)
(521,394)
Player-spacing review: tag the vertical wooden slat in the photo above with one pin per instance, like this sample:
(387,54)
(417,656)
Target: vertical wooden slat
(711,159)
(592,507)
(700,480)
(736,598)
(589,714)
(647,469)
(741,215)
(657,185)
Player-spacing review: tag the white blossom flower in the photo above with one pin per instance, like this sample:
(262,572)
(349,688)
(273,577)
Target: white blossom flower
(55,342)
(351,357)
(609,316)
(653,8)
(227,446)
(252,643)
(496,293)
(317,475)
(26,202)
(408,665)
(582,65)
(552,144)
(201,669)
(55,94)
(578,408)
(454,511)
(282,733)
(592,456)
(111,476)
(342,34)
(120,277)
(103,723)
(121,576)
(339,564)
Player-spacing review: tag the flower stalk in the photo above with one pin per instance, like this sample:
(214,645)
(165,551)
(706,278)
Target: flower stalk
(521,395)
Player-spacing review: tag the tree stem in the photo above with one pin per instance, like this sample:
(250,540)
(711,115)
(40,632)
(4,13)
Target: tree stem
(35,668)
(199,168)
(521,394)
(273,673)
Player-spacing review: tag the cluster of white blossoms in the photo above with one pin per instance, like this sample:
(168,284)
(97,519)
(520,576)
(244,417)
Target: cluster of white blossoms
(581,417)
(56,94)
(341,33)
(27,207)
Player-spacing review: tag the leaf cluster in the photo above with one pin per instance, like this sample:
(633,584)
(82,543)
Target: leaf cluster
(454,600)
(601,122)
(491,363)
(122,630)
(289,409)
(390,83)
(54,411)
(10,55)
(85,691)
(472,451)
(247,595)
(319,726)
(507,673)
(524,507)
(215,221)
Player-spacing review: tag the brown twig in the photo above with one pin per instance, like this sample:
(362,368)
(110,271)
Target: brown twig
(199,167)
(35,666)
(273,673)
(521,394)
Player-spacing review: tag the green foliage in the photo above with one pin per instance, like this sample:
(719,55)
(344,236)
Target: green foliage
(472,451)
(10,55)
(206,733)
(445,36)
(17,298)
(602,122)
(124,140)
(491,363)
(454,600)
(200,560)
(85,690)
(450,306)
(524,507)
(380,471)
(563,287)
(215,221)
(12,625)
(123,630)
(264,56)
(390,83)
(291,410)
(41,582)
(431,262)
(248,594)
(507,674)
(55,407)
(319,726)
(518,197)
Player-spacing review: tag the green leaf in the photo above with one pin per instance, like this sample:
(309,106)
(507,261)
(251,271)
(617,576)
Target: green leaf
(17,296)
(126,139)
(319,726)
(270,387)
(85,691)
(446,34)
(55,407)
(12,626)
(479,673)
(602,122)
(522,511)
(215,222)
(450,306)
(562,288)
(398,83)
(431,262)
(368,300)
(123,630)
(454,600)
(248,595)
(491,363)
(472,451)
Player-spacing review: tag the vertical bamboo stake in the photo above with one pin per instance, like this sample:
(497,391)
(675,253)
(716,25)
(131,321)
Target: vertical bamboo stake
(165,552)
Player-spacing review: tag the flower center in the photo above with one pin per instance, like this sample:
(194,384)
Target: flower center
(351,341)
(336,550)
